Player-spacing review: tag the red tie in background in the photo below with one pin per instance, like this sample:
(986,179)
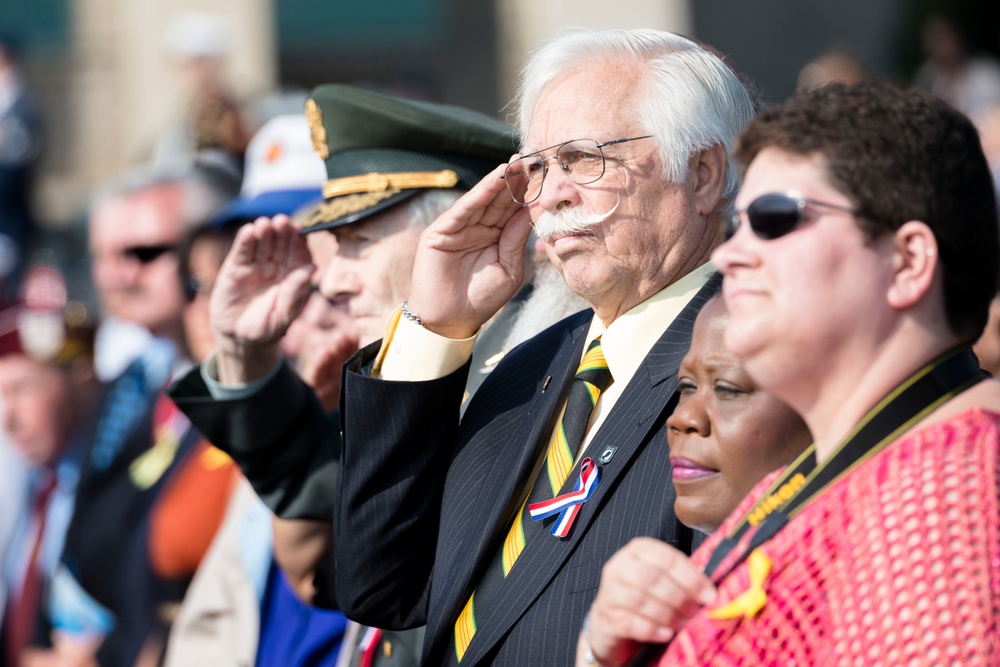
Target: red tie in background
(22,603)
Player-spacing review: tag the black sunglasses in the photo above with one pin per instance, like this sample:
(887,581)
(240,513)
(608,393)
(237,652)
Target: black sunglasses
(145,254)
(775,214)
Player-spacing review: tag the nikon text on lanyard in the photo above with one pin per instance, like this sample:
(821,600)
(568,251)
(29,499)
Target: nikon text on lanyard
(934,384)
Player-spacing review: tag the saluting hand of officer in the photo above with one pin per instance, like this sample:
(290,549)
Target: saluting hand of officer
(262,286)
(470,261)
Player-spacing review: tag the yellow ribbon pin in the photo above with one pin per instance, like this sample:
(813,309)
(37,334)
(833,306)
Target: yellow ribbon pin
(147,468)
(751,601)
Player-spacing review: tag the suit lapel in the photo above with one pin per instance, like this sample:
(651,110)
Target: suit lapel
(637,412)
(464,557)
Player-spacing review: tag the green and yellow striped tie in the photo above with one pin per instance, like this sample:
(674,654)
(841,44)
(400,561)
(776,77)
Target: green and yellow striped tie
(592,377)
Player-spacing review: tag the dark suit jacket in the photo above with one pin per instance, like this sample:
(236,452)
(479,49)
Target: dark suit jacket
(288,448)
(282,439)
(427,502)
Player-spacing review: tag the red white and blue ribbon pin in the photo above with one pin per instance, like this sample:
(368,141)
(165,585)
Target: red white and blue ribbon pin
(568,504)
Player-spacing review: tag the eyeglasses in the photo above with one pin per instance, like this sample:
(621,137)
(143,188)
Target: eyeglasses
(146,254)
(775,214)
(581,161)
(194,286)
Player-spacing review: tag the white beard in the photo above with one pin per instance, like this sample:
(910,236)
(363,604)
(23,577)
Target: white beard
(550,301)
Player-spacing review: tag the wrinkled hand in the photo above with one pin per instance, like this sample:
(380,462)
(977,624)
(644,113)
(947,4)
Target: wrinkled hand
(470,261)
(261,287)
(648,591)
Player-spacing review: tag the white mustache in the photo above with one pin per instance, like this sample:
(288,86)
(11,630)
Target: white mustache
(576,220)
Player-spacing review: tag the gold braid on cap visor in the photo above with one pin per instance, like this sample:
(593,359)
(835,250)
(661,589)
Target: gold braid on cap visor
(402,180)
(353,194)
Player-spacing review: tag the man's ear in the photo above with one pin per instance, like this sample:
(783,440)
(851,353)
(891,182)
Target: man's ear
(708,169)
(915,260)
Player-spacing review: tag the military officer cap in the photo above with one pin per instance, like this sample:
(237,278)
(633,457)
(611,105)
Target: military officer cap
(381,150)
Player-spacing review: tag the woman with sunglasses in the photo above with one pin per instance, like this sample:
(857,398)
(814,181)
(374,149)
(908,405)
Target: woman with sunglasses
(860,272)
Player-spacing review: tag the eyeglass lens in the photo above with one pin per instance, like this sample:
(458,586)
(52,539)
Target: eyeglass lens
(771,216)
(581,161)
(194,286)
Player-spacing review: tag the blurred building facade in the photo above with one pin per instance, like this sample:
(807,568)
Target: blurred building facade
(109,83)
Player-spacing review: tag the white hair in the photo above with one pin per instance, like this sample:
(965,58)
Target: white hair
(686,97)
(204,187)
(429,204)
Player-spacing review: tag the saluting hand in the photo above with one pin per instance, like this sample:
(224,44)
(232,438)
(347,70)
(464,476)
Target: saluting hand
(470,261)
(262,286)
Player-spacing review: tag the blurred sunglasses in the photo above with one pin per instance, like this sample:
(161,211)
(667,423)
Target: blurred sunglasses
(146,254)
(775,214)
(193,287)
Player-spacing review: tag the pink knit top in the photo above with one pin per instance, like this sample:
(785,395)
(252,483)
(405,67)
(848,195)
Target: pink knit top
(896,564)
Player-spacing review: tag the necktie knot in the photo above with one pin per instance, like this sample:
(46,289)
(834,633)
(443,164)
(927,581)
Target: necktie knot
(594,368)
(565,443)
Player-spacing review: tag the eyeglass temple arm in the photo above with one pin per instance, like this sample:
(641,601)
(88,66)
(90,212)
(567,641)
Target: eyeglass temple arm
(837,207)
(622,141)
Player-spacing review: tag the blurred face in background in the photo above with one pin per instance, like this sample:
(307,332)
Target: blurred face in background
(987,348)
(323,336)
(203,264)
(107,244)
(39,407)
(134,241)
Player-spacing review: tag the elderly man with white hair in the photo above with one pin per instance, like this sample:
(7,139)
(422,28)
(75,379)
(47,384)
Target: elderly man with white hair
(493,529)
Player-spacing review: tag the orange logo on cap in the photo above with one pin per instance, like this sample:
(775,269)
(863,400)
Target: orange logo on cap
(273,152)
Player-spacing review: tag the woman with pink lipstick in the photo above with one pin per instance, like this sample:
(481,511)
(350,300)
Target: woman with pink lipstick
(725,433)
(863,260)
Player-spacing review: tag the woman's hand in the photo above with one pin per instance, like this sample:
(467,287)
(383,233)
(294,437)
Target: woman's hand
(648,592)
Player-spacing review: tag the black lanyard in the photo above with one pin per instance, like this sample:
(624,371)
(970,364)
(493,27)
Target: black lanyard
(804,480)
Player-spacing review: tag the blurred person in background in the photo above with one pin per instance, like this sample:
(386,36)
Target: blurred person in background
(987,348)
(836,64)
(21,129)
(988,124)
(211,120)
(968,81)
(12,494)
(136,225)
(240,609)
(49,393)
(138,441)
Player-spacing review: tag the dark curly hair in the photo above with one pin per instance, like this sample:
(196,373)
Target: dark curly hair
(900,155)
